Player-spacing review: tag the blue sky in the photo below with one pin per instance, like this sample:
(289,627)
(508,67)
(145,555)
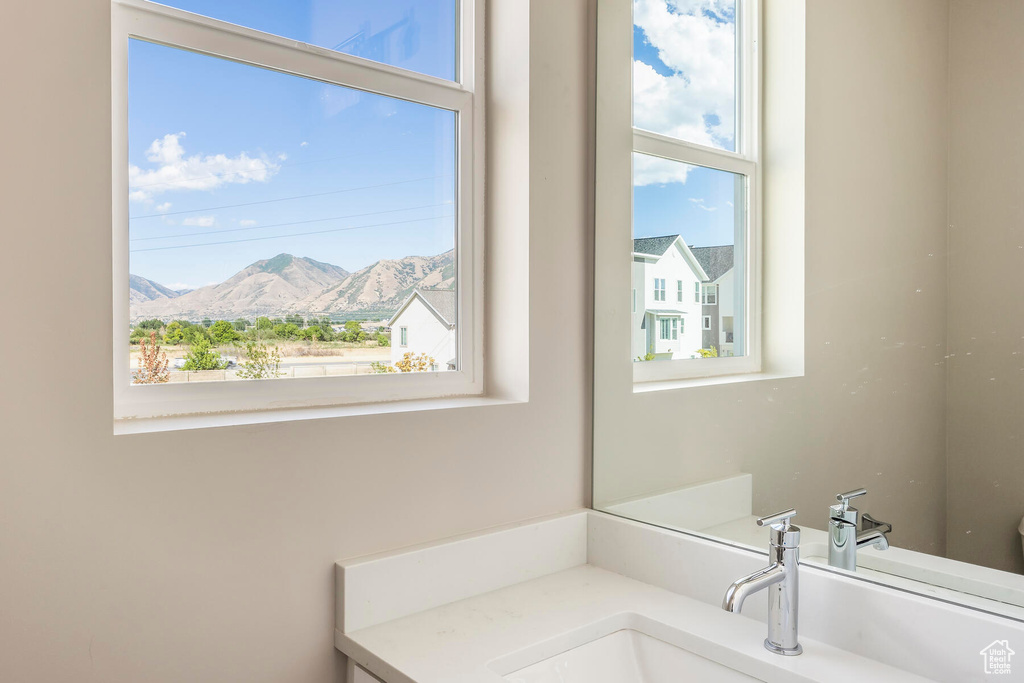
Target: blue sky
(226,153)
(674,97)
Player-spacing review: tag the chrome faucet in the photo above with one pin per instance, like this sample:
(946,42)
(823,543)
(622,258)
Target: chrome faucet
(780,578)
(843,537)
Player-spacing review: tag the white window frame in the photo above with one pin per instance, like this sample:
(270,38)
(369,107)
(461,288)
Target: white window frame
(696,292)
(664,329)
(617,138)
(403,336)
(709,291)
(659,289)
(679,291)
(706,325)
(675,329)
(148,21)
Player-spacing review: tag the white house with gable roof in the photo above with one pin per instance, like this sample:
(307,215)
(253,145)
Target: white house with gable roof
(666,305)
(425,324)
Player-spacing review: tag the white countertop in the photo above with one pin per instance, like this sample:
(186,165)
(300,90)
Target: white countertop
(460,642)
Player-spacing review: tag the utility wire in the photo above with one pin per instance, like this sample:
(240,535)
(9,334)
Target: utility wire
(279,225)
(301,196)
(298,234)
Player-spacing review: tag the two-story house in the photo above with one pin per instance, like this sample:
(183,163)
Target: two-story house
(666,305)
(425,324)
(718,299)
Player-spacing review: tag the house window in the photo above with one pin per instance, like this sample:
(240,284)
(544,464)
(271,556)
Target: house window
(265,161)
(404,336)
(710,295)
(634,299)
(679,292)
(666,328)
(675,328)
(659,289)
(707,322)
(693,122)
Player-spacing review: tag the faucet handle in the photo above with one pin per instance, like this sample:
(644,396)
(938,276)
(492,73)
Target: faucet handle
(783,517)
(783,533)
(845,497)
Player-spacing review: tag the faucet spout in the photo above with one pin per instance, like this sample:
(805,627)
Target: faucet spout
(741,589)
(873,537)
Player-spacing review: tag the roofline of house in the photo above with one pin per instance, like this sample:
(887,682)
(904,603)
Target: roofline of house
(430,307)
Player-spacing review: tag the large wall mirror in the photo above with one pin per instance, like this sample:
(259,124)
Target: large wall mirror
(809,283)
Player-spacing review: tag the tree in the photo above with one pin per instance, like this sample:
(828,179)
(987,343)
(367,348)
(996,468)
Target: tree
(174,333)
(152,363)
(193,333)
(224,332)
(207,322)
(383,339)
(262,362)
(241,324)
(286,331)
(352,326)
(152,324)
(294,319)
(264,324)
(137,335)
(202,357)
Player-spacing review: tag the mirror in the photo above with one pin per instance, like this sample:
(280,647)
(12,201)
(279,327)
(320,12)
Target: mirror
(809,282)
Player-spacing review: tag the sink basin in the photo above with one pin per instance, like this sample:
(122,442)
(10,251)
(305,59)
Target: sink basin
(626,656)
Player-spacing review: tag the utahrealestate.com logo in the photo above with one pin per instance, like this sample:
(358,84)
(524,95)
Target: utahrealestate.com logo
(997,657)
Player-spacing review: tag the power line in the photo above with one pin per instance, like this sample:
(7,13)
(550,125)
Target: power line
(298,234)
(301,196)
(278,225)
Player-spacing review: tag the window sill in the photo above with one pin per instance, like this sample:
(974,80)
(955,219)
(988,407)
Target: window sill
(695,382)
(146,425)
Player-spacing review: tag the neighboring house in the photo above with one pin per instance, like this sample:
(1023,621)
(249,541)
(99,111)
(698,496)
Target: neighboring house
(718,299)
(425,323)
(666,299)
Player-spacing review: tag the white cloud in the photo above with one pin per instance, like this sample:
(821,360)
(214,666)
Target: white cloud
(247,222)
(648,170)
(201,221)
(303,144)
(694,103)
(282,157)
(163,208)
(700,204)
(174,171)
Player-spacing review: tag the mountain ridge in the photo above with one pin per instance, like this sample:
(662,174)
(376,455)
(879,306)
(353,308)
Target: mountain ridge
(287,284)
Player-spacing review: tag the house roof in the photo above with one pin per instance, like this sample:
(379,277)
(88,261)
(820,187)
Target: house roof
(440,301)
(716,261)
(655,246)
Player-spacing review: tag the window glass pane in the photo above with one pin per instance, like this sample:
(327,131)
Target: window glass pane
(278,224)
(419,35)
(689,225)
(684,70)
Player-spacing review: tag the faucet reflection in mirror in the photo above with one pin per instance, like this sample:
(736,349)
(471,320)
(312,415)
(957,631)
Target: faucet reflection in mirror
(843,536)
(781,578)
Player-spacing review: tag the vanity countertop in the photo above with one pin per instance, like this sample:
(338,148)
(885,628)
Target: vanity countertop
(471,640)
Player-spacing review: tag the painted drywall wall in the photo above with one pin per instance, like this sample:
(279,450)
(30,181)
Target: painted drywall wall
(870,410)
(208,555)
(986,279)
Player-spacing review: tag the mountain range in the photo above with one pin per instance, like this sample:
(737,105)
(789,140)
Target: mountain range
(293,284)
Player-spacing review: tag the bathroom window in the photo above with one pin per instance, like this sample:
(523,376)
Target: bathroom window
(693,92)
(269,163)
(707,322)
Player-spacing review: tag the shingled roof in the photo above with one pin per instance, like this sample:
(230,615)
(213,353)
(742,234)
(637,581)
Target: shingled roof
(716,261)
(655,246)
(442,300)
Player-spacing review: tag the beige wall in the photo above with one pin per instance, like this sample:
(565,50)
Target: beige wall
(986,283)
(870,409)
(207,555)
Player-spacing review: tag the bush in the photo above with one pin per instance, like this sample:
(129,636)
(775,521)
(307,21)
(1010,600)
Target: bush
(262,362)
(382,368)
(174,334)
(202,357)
(708,353)
(152,363)
(415,363)
(383,339)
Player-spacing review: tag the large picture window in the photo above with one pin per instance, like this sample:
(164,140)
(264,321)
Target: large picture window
(280,207)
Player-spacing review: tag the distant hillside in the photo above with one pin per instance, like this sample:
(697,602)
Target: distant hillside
(383,286)
(140,289)
(291,284)
(268,287)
